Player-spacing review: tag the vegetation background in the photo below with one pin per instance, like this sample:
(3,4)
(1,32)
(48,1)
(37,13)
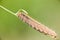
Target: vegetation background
(45,11)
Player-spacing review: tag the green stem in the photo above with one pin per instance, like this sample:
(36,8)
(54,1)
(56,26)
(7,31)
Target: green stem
(7,10)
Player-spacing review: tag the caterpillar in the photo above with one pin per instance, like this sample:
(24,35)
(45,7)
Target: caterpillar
(36,25)
(22,14)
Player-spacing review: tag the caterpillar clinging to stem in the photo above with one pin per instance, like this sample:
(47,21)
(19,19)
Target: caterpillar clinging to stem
(32,22)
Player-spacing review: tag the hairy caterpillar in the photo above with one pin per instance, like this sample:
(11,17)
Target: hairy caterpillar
(33,23)
(36,25)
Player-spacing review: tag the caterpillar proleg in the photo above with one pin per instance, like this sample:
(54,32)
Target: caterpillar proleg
(36,25)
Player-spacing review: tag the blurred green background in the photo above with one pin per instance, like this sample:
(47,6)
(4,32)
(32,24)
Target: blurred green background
(45,11)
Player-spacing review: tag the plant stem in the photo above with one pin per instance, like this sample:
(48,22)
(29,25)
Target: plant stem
(7,10)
